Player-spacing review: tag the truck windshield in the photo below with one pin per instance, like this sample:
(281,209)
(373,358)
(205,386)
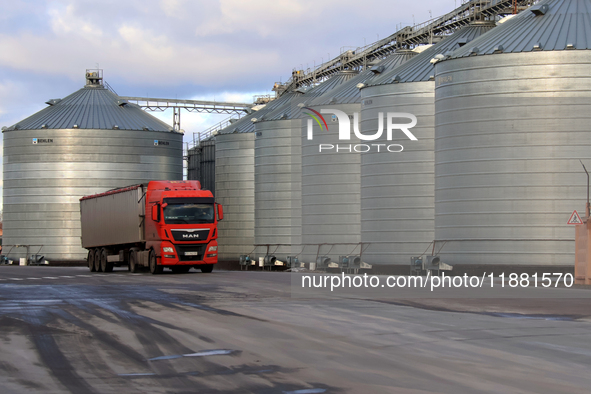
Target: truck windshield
(188,213)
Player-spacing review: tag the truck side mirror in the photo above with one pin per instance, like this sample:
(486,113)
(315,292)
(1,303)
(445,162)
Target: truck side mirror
(220,212)
(156,212)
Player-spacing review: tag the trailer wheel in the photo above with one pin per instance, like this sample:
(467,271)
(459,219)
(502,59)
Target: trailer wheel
(97,260)
(154,267)
(132,262)
(103,260)
(207,268)
(91,260)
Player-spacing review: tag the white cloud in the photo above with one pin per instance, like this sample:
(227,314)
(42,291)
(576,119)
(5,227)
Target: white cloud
(65,21)
(261,17)
(207,43)
(139,54)
(174,8)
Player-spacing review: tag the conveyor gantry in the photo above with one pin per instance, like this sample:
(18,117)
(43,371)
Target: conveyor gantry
(162,104)
(407,37)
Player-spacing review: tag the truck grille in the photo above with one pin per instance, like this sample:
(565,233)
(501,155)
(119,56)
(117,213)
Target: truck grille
(199,234)
(195,252)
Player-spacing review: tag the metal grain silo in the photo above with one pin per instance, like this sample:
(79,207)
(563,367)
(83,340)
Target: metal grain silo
(86,143)
(201,166)
(234,185)
(278,169)
(193,158)
(397,188)
(512,122)
(234,182)
(331,180)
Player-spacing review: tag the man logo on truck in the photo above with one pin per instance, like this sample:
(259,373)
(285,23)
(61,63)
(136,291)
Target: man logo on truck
(190,235)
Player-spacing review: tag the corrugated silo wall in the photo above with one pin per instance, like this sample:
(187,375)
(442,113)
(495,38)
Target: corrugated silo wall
(44,181)
(202,164)
(193,164)
(207,165)
(234,186)
(278,173)
(397,188)
(510,130)
(330,191)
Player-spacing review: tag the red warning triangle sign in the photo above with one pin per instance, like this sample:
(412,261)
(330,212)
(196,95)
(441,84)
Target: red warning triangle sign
(575,218)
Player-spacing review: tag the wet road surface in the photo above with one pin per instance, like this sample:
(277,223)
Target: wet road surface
(66,330)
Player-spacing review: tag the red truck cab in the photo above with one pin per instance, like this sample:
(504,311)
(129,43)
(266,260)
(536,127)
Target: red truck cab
(181,225)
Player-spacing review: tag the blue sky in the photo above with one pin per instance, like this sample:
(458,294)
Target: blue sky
(194,49)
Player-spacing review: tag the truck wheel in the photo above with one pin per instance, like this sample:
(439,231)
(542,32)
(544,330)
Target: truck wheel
(132,262)
(154,267)
(103,260)
(207,268)
(91,260)
(97,260)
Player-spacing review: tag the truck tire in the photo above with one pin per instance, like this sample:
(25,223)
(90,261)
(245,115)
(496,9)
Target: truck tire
(103,260)
(132,262)
(154,267)
(91,260)
(97,260)
(206,268)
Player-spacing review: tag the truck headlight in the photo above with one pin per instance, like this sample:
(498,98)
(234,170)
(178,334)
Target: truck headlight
(167,249)
(212,249)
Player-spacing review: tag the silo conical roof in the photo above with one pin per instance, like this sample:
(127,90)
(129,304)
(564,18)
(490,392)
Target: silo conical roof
(348,92)
(92,107)
(289,111)
(246,125)
(550,25)
(420,68)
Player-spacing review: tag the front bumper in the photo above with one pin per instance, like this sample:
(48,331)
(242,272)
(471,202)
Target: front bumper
(190,254)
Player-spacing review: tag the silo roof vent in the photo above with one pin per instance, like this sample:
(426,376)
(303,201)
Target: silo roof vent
(539,9)
(53,101)
(463,41)
(378,69)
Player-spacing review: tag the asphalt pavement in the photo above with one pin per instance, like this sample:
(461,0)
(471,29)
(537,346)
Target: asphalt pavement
(67,330)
